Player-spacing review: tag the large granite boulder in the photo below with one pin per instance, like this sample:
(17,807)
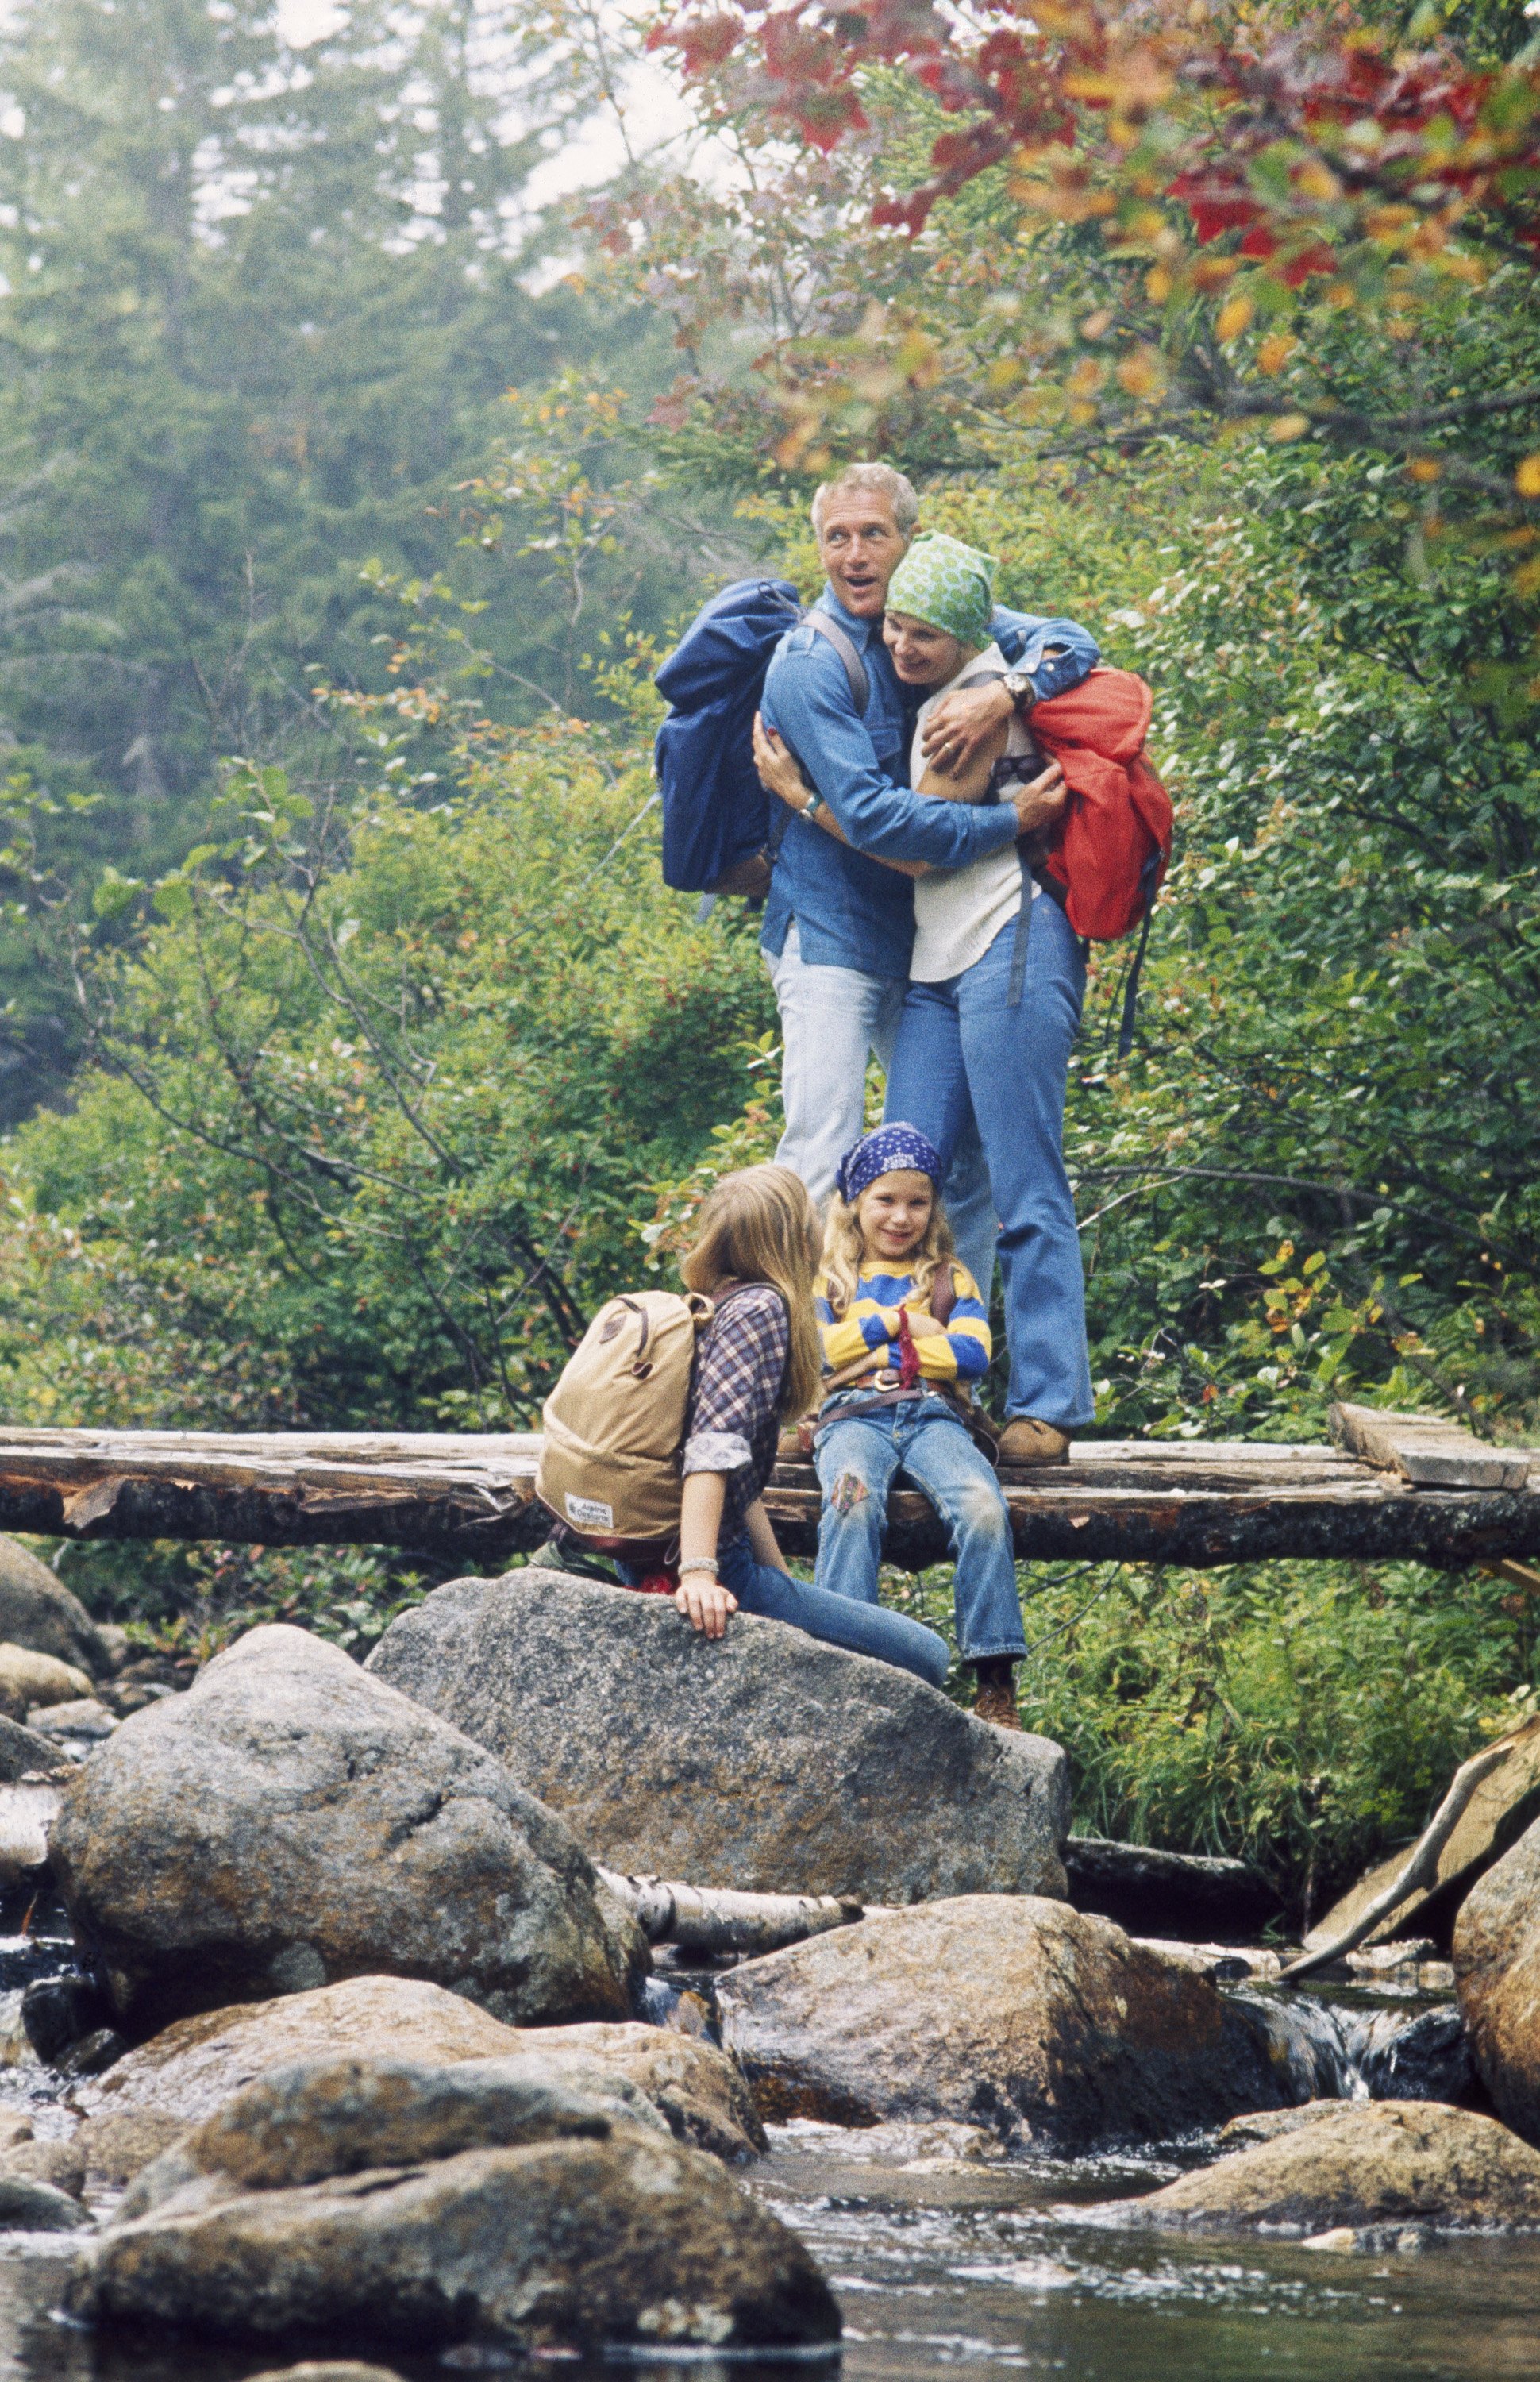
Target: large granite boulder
(198,2066)
(37,1610)
(291,1821)
(1497,1969)
(426,2208)
(1006,2011)
(1360,2164)
(762,1761)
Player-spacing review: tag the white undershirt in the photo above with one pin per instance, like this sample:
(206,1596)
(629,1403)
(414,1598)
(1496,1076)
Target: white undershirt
(959,912)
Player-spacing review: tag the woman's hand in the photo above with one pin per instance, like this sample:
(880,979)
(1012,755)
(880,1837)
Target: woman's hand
(1042,803)
(778,768)
(960,723)
(705,1603)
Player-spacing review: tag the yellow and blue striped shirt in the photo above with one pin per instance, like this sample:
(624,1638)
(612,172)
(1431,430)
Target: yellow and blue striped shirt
(959,1353)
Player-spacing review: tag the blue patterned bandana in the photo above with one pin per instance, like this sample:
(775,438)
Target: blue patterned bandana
(892,1150)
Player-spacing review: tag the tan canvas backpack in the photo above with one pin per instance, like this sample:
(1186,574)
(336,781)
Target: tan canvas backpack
(614,1421)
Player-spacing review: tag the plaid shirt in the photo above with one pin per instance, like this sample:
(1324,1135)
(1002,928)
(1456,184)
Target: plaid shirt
(734,1416)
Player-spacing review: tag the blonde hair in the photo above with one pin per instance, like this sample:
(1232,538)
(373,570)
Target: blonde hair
(844,1251)
(759,1226)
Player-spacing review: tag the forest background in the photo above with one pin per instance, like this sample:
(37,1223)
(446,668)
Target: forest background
(353,1049)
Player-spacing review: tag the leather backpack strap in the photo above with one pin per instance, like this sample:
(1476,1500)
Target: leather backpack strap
(845,646)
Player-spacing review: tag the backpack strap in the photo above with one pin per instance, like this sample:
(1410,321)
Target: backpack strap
(844,645)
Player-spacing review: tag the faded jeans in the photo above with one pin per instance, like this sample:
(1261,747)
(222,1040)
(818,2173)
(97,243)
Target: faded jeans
(859,1628)
(857,1457)
(832,1018)
(965,1060)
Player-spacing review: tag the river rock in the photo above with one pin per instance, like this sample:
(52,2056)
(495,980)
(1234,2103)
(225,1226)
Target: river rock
(1012,2012)
(1360,2164)
(1195,1898)
(1425,2057)
(62,2163)
(116,2148)
(1497,1967)
(86,1718)
(37,1610)
(200,2063)
(27,2205)
(291,1821)
(29,1679)
(764,1760)
(25,1755)
(28,1814)
(575,2230)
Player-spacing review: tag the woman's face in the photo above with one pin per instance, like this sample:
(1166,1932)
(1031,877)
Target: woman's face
(924,656)
(893,1214)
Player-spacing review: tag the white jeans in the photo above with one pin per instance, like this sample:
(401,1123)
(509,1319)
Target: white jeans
(832,1020)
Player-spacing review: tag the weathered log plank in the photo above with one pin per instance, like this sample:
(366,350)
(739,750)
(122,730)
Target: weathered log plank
(471,1499)
(1427,1451)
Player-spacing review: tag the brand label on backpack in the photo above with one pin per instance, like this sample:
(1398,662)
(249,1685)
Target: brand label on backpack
(589,1513)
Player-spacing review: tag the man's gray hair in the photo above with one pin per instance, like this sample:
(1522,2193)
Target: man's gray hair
(871,479)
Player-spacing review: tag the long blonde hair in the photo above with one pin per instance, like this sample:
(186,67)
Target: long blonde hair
(759,1225)
(845,1253)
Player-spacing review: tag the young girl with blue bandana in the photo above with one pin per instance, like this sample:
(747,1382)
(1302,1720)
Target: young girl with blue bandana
(896,1382)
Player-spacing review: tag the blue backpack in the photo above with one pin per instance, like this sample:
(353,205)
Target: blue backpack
(717,826)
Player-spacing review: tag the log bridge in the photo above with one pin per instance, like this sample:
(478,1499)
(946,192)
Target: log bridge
(1393,1486)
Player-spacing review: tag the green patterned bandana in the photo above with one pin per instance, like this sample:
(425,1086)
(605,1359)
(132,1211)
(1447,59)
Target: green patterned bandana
(947,585)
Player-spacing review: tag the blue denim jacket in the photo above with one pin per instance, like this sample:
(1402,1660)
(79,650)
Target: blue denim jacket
(850,912)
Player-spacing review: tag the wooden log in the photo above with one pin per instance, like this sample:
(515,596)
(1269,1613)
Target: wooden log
(1427,1451)
(717,1918)
(472,1500)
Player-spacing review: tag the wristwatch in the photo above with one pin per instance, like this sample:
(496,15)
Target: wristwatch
(1019,686)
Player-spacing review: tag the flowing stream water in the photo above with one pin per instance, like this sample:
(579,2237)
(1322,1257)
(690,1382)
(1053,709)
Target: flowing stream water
(943,2261)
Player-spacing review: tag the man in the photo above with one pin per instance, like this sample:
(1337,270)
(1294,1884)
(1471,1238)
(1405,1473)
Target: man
(838,926)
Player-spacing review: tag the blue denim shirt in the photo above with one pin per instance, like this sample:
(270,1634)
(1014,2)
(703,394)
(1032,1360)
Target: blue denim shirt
(848,911)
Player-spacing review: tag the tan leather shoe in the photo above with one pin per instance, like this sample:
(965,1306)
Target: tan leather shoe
(1026,1441)
(997,1703)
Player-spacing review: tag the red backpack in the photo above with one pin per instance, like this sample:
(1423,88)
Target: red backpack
(1105,864)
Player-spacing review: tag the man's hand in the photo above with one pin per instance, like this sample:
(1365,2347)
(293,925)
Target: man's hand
(1042,803)
(705,1603)
(778,767)
(960,723)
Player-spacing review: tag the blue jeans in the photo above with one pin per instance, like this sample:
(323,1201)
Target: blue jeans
(860,1629)
(964,1060)
(857,1458)
(832,1018)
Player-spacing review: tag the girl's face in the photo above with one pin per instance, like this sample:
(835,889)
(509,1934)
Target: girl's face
(893,1214)
(924,656)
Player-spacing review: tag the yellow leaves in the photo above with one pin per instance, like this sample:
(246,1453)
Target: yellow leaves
(1235,316)
(1425,468)
(1086,379)
(1316,180)
(1142,374)
(1158,284)
(1275,352)
(1097,325)
(1213,272)
(1527,479)
(1287,427)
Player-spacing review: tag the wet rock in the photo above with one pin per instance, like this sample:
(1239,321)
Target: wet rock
(767,1761)
(1007,2011)
(1497,1967)
(62,2163)
(86,1719)
(29,2206)
(37,1610)
(29,1679)
(1503,1806)
(59,2011)
(1267,2125)
(198,2065)
(115,2149)
(1365,2164)
(580,2231)
(1423,2058)
(26,1755)
(1191,1896)
(291,1821)
(1306,2043)
(323,2369)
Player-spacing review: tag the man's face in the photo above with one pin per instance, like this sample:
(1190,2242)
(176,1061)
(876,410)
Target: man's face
(861,546)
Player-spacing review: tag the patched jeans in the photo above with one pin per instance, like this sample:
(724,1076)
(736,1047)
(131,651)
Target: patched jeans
(858,1457)
(831,1019)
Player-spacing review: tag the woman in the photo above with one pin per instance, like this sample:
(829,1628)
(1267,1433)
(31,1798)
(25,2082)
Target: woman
(756,1255)
(993,1006)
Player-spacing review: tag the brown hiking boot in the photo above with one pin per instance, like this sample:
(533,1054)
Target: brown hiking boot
(997,1703)
(1025,1441)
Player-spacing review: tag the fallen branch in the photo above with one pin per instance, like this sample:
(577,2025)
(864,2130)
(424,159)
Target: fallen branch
(1422,1864)
(715,1919)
